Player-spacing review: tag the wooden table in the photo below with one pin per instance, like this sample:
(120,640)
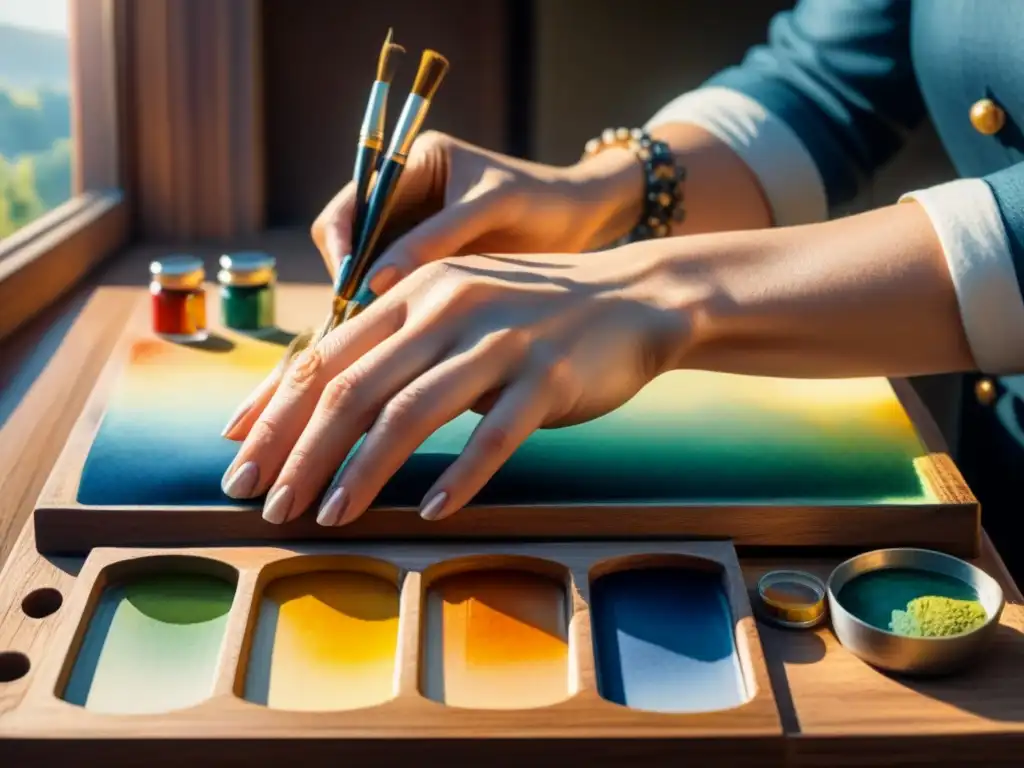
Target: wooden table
(836,710)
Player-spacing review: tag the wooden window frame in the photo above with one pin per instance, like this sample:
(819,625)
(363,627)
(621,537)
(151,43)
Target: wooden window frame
(46,258)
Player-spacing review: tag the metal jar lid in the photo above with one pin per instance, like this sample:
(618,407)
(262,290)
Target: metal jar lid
(791,599)
(180,272)
(247,268)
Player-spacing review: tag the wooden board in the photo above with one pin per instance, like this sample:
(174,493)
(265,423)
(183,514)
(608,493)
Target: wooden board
(408,725)
(834,709)
(762,462)
(840,711)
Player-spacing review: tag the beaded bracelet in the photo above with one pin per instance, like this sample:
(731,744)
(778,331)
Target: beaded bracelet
(663,194)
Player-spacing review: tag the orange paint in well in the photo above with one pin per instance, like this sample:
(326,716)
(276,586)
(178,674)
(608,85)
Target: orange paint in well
(497,640)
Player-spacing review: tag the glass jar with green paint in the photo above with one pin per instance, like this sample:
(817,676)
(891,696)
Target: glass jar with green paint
(247,280)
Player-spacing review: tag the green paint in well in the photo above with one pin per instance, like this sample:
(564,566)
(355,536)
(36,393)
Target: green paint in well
(152,645)
(873,596)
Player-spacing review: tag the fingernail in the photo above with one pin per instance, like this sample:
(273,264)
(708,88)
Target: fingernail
(333,508)
(434,507)
(243,409)
(383,279)
(241,483)
(279,503)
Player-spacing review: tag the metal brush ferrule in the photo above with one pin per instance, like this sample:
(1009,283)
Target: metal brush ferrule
(408,127)
(371,134)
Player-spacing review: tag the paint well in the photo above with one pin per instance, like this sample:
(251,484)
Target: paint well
(496,640)
(689,436)
(324,641)
(152,645)
(664,641)
(873,596)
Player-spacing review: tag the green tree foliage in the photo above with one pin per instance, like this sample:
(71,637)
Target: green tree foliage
(19,200)
(35,155)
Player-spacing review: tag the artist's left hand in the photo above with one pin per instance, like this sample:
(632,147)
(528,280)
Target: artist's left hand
(530,341)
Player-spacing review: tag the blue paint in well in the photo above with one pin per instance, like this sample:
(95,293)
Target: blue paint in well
(664,641)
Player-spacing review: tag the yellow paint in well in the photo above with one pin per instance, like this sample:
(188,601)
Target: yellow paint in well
(324,641)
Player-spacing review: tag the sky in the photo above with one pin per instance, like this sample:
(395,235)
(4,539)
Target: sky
(45,15)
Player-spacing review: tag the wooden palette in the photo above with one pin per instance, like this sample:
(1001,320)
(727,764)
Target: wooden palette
(489,644)
(762,462)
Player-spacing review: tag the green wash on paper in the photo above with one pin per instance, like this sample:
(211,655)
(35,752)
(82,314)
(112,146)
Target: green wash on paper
(933,616)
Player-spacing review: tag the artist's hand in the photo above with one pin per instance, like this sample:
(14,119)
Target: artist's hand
(530,341)
(454,198)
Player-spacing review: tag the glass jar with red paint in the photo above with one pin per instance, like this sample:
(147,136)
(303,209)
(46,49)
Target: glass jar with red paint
(178,298)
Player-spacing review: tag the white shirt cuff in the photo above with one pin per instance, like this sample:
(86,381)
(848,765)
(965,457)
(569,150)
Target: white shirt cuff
(966,218)
(785,169)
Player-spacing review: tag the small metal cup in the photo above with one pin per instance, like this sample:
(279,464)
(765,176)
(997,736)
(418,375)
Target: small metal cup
(913,655)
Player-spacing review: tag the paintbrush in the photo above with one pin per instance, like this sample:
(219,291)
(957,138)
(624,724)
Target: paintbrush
(433,68)
(368,151)
(371,134)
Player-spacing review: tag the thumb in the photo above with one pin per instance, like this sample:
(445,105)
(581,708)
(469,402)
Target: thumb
(444,234)
(332,229)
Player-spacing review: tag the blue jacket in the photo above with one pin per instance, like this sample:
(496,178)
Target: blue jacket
(831,97)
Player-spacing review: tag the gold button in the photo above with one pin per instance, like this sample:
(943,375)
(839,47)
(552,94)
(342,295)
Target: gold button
(985,391)
(987,117)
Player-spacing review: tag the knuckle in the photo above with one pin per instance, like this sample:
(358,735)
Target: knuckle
(511,343)
(494,441)
(305,371)
(558,373)
(343,394)
(264,433)
(402,410)
(465,293)
(298,461)
(438,271)
(433,139)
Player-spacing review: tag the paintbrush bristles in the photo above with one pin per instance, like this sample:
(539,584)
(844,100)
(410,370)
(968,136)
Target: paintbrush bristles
(433,67)
(391,55)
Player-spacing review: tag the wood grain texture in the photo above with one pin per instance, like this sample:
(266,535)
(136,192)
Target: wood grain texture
(842,712)
(83,232)
(98,108)
(64,526)
(44,727)
(32,435)
(196,108)
(835,710)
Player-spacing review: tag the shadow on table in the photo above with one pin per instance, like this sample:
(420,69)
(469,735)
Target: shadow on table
(782,647)
(992,687)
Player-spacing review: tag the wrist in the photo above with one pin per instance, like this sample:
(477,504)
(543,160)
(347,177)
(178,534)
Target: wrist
(677,289)
(610,186)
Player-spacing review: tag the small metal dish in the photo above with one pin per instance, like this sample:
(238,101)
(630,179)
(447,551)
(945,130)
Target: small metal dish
(791,599)
(913,655)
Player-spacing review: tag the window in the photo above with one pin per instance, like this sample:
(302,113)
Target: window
(62,103)
(36,148)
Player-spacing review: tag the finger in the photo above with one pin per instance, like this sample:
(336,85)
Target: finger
(332,229)
(240,424)
(243,419)
(346,409)
(411,416)
(440,236)
(518,412)
(281,421)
